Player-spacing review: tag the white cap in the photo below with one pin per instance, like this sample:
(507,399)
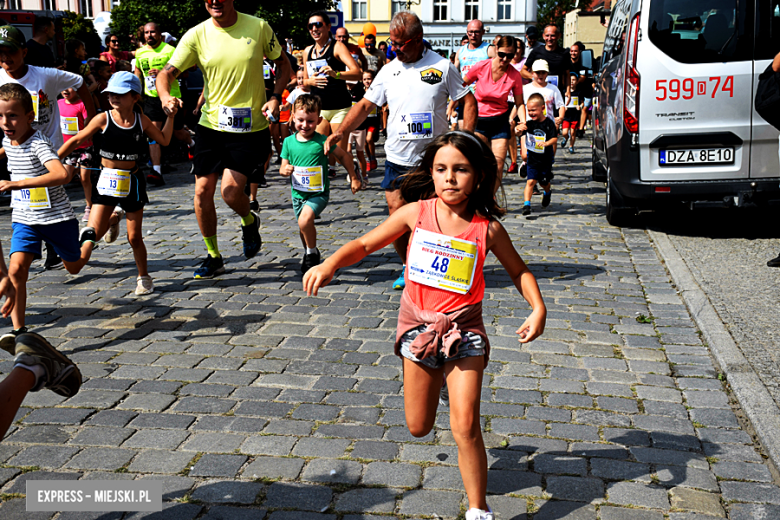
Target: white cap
(540,65)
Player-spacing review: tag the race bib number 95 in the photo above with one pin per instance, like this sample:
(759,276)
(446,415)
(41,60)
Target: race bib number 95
(442,261)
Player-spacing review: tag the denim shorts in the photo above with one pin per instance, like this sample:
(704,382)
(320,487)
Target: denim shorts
(471,345)
(494,127)
(392,172)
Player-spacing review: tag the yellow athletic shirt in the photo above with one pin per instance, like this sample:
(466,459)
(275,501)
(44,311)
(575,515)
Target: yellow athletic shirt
(232,63)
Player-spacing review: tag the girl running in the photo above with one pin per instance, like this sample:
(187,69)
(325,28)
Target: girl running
(440,330)
(122,144)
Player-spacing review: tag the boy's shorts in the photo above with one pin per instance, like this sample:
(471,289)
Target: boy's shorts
(392,172)
(63,236)
(471,345)
(317,203)
(359,138)
(542,175)
(570,124)
(135,200)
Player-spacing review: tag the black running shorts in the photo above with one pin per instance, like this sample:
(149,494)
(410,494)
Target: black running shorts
(216,151)
(154,111)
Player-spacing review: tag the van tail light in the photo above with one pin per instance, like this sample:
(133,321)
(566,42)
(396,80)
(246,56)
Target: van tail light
(631,86)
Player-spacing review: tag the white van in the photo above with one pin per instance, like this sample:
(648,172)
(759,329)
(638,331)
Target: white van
(674,118)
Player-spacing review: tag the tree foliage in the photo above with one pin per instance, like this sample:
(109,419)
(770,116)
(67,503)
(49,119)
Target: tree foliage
(554,11)
(75,26)
(287,18)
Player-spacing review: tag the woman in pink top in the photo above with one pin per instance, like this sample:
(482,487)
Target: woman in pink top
(495,80)
(113,54)
(517,62)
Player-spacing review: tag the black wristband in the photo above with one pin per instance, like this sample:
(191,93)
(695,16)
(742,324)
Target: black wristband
(277,96)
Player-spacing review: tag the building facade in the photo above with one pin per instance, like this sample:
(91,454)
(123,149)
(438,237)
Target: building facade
(588,27)
(89,8)
(379,12)
(445,21)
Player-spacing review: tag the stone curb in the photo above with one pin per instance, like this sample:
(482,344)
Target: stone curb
(761,410)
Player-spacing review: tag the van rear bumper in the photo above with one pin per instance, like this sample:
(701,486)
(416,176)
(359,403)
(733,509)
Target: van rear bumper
(710,193)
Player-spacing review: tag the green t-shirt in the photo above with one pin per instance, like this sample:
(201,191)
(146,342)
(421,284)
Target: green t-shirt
(309,154)
(147,59)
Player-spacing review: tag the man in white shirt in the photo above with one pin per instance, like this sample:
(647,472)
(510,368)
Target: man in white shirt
(415,86)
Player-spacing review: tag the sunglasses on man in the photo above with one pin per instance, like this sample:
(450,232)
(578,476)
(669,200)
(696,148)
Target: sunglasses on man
(318,25)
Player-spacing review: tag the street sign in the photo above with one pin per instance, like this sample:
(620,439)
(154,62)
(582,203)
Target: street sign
(336,20)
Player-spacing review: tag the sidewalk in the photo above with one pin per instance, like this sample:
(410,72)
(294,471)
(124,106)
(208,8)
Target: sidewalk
(245,395)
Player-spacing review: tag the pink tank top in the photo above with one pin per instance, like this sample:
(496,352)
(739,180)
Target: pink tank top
(444,273)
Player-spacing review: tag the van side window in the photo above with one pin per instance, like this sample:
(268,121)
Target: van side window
(711,31)
(616,32)
(767,29)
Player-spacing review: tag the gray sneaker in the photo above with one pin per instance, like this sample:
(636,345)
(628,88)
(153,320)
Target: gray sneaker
(62,375)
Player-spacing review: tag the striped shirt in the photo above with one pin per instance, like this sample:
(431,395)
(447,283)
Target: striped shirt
(28,160)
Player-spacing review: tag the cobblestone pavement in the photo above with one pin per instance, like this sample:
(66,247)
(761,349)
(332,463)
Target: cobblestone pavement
(732,271)
(251,400)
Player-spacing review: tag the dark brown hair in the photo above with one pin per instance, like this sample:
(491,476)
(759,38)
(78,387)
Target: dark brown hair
(506,41)
(11,91)
(418,184)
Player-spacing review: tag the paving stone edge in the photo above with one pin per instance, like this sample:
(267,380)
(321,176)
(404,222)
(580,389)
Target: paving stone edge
(761,410)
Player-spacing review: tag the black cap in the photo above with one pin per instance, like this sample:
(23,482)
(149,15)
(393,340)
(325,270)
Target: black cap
(532,32)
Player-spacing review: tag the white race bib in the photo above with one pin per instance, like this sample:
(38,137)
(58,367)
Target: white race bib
(35,104)
(414,126)
(552,80)
(266,71)
(114,183)
(442,261)
(575,100)
(70,125)
(29,198)
(307,179)
(151,83)
(235,120)
(535,143)
(313,67)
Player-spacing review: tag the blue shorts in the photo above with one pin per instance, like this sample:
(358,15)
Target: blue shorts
(587,102)
(543,175)
(392,172)
(494,127)
(471,345)
(317,203)
(63,236)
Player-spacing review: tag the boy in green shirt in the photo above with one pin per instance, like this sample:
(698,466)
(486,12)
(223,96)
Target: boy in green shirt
(304,159)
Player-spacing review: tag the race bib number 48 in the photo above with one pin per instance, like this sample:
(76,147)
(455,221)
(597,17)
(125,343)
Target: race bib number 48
(442,261)
(414,126)
(235,120)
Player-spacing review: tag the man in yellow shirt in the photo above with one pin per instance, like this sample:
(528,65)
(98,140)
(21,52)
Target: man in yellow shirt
(232,135)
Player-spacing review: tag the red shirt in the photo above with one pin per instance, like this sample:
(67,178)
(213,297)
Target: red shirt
(492,95)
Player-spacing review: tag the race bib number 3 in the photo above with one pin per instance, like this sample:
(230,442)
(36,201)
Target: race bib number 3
(417,125)
(114,183)
(307,179)
(70,125)
(236,120)
(442,261)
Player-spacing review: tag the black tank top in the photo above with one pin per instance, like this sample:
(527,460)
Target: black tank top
(335,95)
(123,144)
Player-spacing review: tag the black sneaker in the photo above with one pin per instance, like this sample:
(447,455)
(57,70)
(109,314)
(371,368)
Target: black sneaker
(524,171)
(254,205)
(210,267)
(526,210)
(8,340)
(53,261)
(62,375)
(263,183)
(310,260)
(775,262)
(155,179)
(546,197)
(251,236)
(332,173)
(88,235)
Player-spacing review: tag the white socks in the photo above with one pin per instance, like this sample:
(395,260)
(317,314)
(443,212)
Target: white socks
(157,168)
(311,250)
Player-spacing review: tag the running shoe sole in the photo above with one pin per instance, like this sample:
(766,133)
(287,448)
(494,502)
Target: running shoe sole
(68,381)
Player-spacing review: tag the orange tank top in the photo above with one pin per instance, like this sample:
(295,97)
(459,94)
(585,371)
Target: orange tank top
(444,273)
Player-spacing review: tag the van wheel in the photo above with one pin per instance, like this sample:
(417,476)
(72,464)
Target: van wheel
(599,172)
(617,215)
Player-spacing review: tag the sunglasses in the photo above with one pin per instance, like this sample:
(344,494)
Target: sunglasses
(113,41)
(506,55)
(399,45)
(318,25)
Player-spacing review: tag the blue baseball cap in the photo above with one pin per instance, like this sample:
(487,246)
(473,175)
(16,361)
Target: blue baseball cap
(123,82)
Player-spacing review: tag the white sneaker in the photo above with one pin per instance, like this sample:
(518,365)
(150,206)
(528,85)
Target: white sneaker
(444,395)
(479,514)
(144,285)
(113,230)
(85,218)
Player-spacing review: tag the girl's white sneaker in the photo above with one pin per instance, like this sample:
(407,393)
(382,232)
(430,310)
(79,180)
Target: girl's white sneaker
(144,286)
(479,514)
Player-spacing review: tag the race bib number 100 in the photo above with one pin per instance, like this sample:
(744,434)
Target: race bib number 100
(417,125)
(442,261)
(235,120)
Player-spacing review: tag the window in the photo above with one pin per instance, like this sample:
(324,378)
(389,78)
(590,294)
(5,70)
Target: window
(472,10)
(360,9)
(86,8)
(50,5)
(504,9)
(397,7)
(14,4)
(767,29)
(691,33)
(440,10)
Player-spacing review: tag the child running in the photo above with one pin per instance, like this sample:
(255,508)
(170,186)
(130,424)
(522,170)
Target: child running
(73,114)
(119,182)
(303,158)
(571,119)
(538,145)
(41,208)
(550,94)
(358,135)
(372,127)
(440,329)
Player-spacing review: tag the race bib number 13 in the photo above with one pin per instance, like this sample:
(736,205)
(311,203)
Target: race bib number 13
(442,261)
(114,183)
(235,120)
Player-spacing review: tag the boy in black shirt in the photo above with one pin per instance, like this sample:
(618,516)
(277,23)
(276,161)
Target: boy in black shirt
(571,119)
(537,144)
